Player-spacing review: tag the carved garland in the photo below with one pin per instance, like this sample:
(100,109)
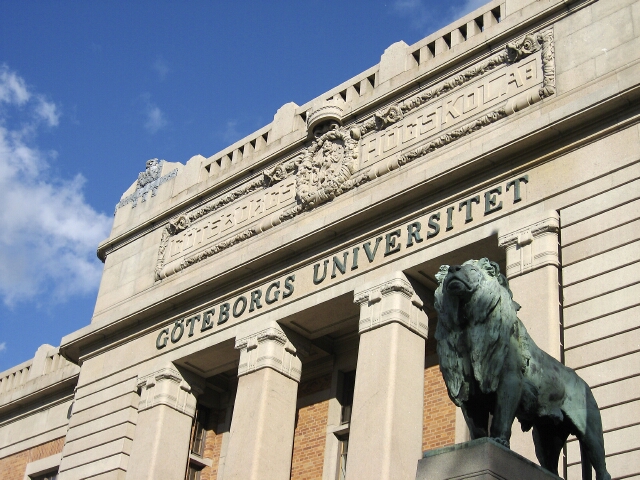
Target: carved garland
(324,170)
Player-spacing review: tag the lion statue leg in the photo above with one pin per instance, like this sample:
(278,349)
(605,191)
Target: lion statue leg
(548,440)
(508,397)
(477,418)
(592,443)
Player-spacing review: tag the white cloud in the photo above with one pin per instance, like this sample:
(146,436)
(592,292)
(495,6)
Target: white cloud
(3,346)
(416,11)
(230,133)
(161,67)
(49,233)
(467,7)
(47,112)
(155,118)
(12,87)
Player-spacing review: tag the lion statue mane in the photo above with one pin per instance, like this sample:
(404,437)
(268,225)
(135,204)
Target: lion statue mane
(492,367)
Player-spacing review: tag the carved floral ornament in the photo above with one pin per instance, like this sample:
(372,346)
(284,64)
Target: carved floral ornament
(329,165)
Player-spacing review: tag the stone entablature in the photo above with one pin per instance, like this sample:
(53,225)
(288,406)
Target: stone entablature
(355,98)
(413,235)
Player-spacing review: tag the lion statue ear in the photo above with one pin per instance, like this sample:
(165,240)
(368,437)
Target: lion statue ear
(442,273)
(496,269)
(440,276)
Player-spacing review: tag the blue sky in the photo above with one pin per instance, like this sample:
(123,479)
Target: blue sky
(90,90)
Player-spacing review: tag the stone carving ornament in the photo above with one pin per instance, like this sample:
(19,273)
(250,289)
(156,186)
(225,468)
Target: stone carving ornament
(491,365)
(323,170)
(151,173)
(148,181)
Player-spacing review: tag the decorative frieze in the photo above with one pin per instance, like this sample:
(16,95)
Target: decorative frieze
(531,247)
(271,348)
(167,387)
(148,181)
(339,159)
(393,300)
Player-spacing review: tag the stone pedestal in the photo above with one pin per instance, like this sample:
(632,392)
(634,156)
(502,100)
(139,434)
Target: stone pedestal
(479,459)
(386,424)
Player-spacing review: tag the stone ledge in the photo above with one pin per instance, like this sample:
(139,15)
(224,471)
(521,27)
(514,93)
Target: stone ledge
(479,459)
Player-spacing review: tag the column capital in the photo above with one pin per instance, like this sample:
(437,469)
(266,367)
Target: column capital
(389,300)
(168,387)
(272,348)
(531,246)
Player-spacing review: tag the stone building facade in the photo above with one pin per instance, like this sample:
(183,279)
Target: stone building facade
(267,312)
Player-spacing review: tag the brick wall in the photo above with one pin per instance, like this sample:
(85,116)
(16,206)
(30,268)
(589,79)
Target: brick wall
(13,466)
(212,446)
(310,432)
(439,427)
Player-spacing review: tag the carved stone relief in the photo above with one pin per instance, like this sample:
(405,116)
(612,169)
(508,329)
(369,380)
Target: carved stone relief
(323,170)
(512,53)
(331,165)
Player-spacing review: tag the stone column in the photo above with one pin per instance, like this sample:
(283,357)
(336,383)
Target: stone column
(385,440)
(261,436)
(533,273)
(161,445)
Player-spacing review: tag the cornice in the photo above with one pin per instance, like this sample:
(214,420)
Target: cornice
(354,113)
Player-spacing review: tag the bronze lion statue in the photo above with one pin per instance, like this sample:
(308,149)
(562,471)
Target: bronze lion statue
(491,366)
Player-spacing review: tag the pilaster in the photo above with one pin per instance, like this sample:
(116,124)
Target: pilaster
(391,301)
(167,387)
(270,348)
(261,435)
(167,404)
(531,246)
(385,440)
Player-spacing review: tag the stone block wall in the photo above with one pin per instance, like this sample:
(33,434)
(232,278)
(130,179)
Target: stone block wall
(101,429)
(601,256)
(13,466)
